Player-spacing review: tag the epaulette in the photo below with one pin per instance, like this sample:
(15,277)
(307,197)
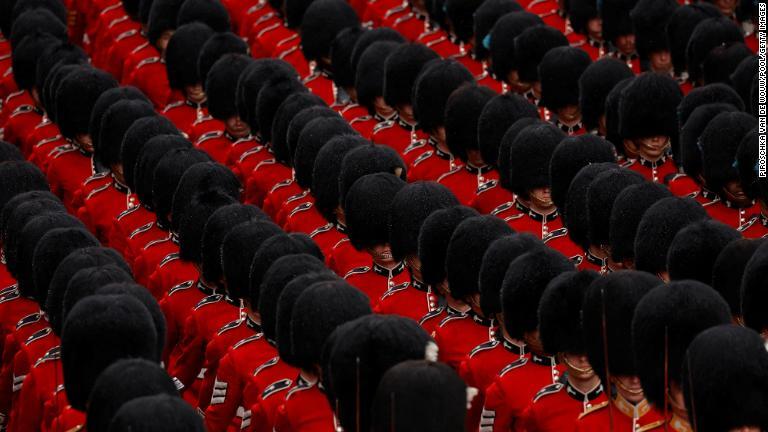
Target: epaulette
(61,150)
(450,318)
(208,136)
(117,21)
(5,56)
(52,354)
(94,177)
(576,260)
(10,296)
(126,34)
(146,61)
(110,8)
(550,389)
(514,365)
(513,217)
(156,242)
(281,184)
(9,72)
(349,107)
(424,156)
(248,139)
(672,177)
(141,229)
(29,319)
(628,163)
(403,19)
(264,17)
(276,387)
(140,47)
(300,386)
(434,42)
(22,109)
(213,298)
(490,184)
(345,239)
(38,335)
(297,196)
(360,119)
(254,8)
(503,207)
(267,29)
(357,270)
(453,170)
(650,426)
(8,290)
(229,326)
(555,234)
(325,228)
(395,289)
(483,347)
(202,119)
(394,10)
(271,161)
(99,189)
(431,315)
(248,340)
(173,105)
(415,145)
(578,43)
(181,287)
(168,258)
(45,141)
(300,208)
(749,223)
(593,408)
(269,363)
(125,213)
(386,124)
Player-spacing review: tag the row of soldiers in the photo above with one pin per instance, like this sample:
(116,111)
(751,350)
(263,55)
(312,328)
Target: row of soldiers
(428,216)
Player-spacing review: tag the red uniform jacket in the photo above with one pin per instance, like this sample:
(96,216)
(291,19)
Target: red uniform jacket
(306,409)
(150,255)
(10,382)
(184,114)
(558,406)
(560,241)
(204,125)
(757,227)
(727,213)
(527,220)
(102,205)
(656,172)
(45,139)
(303,216)
(431,165)
(374,280)
(265,393)
(176,307)
(260,174)
(36,405)
(19,126)
(170,272)
(326,237)
(270,185)
(151,77)
(217,144)
(127,222)
(431,321)
(458,335)
(464,181)
(396,134)
(321,84)
(69,169)
(344,257)
(412,300)
(625,416)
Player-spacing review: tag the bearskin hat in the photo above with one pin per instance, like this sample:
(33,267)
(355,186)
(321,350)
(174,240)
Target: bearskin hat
(434,238)
(524,283)
(52,56)
(25,55)
(753,292)
(742,77)
(201,207)
(325,174)
(560,312)
(137,135)
(616,19)
(323,20)
(695,249)
(613,115)
(19,177)
(464,256)
(462,113)
(665,321)
(271,250)
(216,47)
(707,35)
(627,211)
(32,21)
(369,159)
(209,12)
(580,12)
(649,20)
(529,156)
(146,298)
(17,219)
(10,11)
(341,56)
(497,258)
(87,281)
(575,211)
(156,413)
(369,74)
(10,152)
(606,320)
(723,60)
(728,270)
(76,96)
(359,353)
(559,73)
(601,196)
(300,120)
(598,79)
(401,69)
(161,164)
(486,16)
(182,54)
(217,227)
(258,73)
(497,116)
(680,27)
(237,251)
(162,18)
(461,16)
(366,206)
(116,121)
(24,198)
(530,47)
(51,86)
(648,106)
(221,85)
(747,157)
(199,178)
(690,151)
(435,83)
(708,94)
(444,392)
(98,331)
(313,137)
(368,38)
(719,143)
(105,102)
(269,99)
(570,156)
(294,12)
(145,6)
(52,248)
(285,113)
(123,381)
(502,41)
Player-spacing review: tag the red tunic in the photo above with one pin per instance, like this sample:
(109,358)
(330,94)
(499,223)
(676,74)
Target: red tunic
(326,237)
(558,406)
(151,77)
(102,205)
(657,172)
(37,403)
(306,409)
(69,169)
(321,84)
(527,220)
(44,140)
(170,272)
(625,417)
(396,134)
(280,193)
(489,196)
(375,280)
(412,300)
(127,222)
(265,393)
(431,164)
(19,126)
(344,257)
(458,335)
(727,213)
(256,168)
(431,321)
(560,241)
(149,256)
(176,307)
(184,114)
(757,227)
(267,178)
(465,181)
(217,144)
(303,218)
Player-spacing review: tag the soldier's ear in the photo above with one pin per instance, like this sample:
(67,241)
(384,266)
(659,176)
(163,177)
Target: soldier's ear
(631,146)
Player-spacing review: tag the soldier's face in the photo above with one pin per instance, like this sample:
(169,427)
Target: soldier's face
(569,114)
(629,387)
(625,43)
(578,366)
(195,93)
(85,142)
(541,198)
(727,7)
(236,127)
(406,112)
(162,41)
(735,193)
(595,28)
(382,108)
(661,62)
(651,148)
(382,255)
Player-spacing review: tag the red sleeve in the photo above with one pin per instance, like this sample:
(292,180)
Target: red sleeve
(29,409)
(495,415)
(226,397)
(191,350)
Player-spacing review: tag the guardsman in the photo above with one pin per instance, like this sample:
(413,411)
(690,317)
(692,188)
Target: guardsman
(343,72)
(159,411)
(409,208)
(694,251)
(618,30)
(559,73)
(460,15)
(752,295)
(649,20)
(486,16)
(709,34)
(613,119)
(586,22)
(502,47)
(597,80)
(728,271)
(679,29)
(756,186)
(530,47)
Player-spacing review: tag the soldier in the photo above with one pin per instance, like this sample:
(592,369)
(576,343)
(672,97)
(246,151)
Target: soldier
(460,18)
(728,271)
(517,383)
(751,293)
(695,249)
(613,119)
(343,73)
(559,73)
(679,29)
(407,212)
(597,80)
(707,35)
(618,30)
(754,186)
(607,310)
(502,47)
(530,47)
(649,20)
(486,16)
(585,20)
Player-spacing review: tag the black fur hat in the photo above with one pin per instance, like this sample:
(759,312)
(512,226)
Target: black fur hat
(502,43)
(162,18)
(104,102)
(285,113)
(358,355)
(559,73)
(145,6)
(695,249)
(409,209)
(24,58)
(435,83)
(708,94)
(116,121)
(366,207)
(216,47)
(616,20)
(325,174)
(658,227)
(137,135)
(250,83)
(10,152)
(24,198)
(728,270)
(560,312)
(690,150)
(649,21)
(313,137)
(51,86)
(742,77)
(747,157)
(368,38)
(442,390)
(191,228)
(680,27)
(580,12)
(723,60)
(300,120)
(369,73)
(496,259)
(719,143)
(462,114)
(54,55)
(464,256)
(434,237)
(529,157)
(318,311)
(51,250)
(570,156)
(86,282)
(524,283)
(648,106)
(707,35)
(497,116)
(274,92)
(341,56)
(221,85)
(19,177)
(155,414)
(32,21)
(182,53)
(271,250)
(123,381)
(753,293)
(284,270)
(575,212)
(401,69)
(16,220)
(601,196)
(165,166)
(485,18)
(607,311)
(217,227)
(613,115)
(209,12)
(627,211)
(369,159)
(715,381)
(10,11)
(530,47)
(598,79)
(76,96)
(237,251)
(665,322)
(460,15)
(294,12)
(197,179)
(322,21)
